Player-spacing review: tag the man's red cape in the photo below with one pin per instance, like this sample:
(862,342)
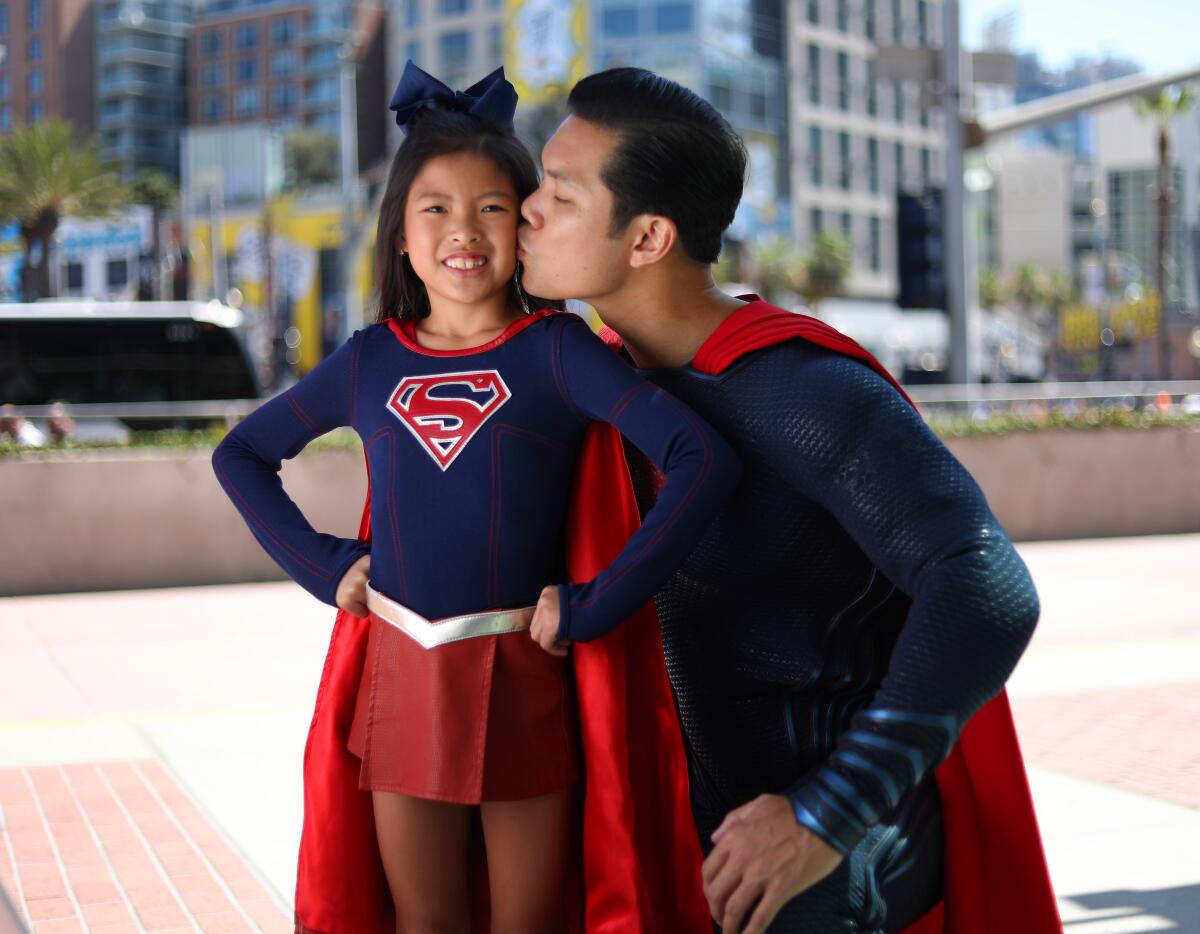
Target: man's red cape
(996,880)
(640,856)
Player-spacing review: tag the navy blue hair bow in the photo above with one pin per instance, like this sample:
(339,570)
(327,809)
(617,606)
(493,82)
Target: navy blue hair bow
(493,99)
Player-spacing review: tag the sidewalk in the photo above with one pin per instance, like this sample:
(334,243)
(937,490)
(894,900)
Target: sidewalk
(151,746)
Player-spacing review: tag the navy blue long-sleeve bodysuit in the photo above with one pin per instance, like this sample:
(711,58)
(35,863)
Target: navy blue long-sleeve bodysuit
(470,459)
(843,617)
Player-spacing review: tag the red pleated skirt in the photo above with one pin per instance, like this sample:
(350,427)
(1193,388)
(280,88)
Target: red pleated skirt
(492,718)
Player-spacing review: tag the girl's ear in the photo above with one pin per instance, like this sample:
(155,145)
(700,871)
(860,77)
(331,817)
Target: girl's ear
(400,248)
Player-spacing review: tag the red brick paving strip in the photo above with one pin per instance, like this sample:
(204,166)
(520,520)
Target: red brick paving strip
(119,847)
(1141,739)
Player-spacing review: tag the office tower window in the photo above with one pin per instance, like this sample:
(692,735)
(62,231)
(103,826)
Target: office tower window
(284,62)
(814,74)
(117,273)
(455,52)
(210,42)
(248,102)
(673,17)
(246,36)
(816,164)
(212,108)
(247,69)
(620,21)
(843,80)
(873,165)
(284,30)
(844,165)
(875,245)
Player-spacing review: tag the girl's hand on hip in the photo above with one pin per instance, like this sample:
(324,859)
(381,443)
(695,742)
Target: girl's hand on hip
(544,628)
(351,593)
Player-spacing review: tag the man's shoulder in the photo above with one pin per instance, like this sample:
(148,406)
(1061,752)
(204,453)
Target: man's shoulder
(801,376)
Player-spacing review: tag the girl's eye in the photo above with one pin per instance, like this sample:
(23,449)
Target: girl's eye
(435,209)
(493,207)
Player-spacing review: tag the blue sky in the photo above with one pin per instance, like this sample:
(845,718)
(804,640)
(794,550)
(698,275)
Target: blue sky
(1161,35)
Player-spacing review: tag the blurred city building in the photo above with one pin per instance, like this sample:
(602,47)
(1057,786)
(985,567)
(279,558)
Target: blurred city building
(140,88)
(102,258)
(47,51)
(280,62)
(858,142)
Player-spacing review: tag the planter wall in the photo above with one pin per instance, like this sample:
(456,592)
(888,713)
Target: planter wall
(131,519)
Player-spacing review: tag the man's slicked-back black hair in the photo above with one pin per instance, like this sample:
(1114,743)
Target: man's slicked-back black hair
(676,155)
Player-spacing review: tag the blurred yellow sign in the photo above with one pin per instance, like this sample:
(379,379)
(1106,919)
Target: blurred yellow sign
(545,47)
(1080,326)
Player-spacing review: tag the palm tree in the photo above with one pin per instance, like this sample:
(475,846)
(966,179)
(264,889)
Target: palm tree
(825,269)
(158,191)
(310,159)
(1162,107)
(45,175)
(778,268)
(991,290)
(1029,288)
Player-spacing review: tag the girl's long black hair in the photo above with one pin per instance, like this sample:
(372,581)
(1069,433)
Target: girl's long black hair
(434,133)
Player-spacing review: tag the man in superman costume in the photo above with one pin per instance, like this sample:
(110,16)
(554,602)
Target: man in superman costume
(839,641)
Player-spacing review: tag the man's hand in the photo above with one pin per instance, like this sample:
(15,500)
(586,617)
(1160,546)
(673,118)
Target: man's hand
(544,628)
(762,856)
(351,593)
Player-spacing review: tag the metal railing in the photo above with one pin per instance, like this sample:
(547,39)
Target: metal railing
(227,410)
(994,397)
(1011,393)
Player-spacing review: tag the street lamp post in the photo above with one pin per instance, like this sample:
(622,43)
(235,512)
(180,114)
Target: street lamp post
(963,362)
(352,317)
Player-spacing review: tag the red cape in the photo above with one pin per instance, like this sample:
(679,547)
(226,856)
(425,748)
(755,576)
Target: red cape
(640,856)
(996,880)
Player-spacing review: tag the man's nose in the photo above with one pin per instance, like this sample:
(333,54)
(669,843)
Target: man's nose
(529,210)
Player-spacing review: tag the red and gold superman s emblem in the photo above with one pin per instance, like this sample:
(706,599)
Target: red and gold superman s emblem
(445,411)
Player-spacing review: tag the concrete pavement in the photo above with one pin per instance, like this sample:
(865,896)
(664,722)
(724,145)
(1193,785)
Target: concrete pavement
(151,745)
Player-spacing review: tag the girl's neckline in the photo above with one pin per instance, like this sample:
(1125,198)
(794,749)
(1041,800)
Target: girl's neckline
(406,332)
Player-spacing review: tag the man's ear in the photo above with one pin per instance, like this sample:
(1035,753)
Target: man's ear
(654,236)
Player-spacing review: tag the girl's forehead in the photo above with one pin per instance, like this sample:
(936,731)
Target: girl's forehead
(463,170)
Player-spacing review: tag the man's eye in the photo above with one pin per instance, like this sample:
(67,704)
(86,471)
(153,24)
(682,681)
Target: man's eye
(561,200)
(493,207)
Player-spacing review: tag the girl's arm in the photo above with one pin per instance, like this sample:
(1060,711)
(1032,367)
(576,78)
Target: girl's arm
(701,471)
(247,466)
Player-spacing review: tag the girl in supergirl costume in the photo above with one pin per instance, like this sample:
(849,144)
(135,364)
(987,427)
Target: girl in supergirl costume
(457,703)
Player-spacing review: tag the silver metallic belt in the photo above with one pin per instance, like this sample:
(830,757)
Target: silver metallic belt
(432,633)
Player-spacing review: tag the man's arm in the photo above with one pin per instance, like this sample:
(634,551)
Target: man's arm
(846,439)
(856,447)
